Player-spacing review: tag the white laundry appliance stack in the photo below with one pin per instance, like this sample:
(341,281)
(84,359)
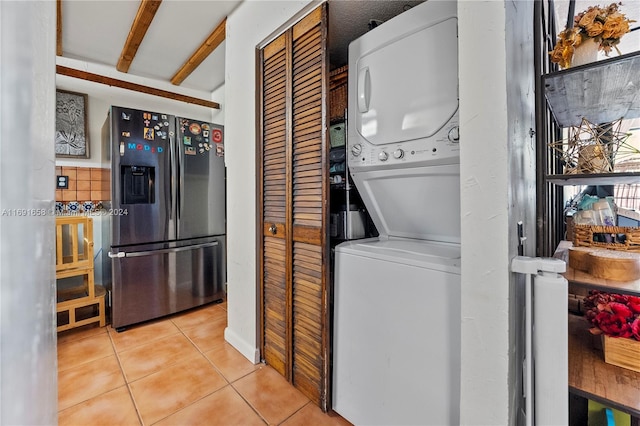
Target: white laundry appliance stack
(396,350)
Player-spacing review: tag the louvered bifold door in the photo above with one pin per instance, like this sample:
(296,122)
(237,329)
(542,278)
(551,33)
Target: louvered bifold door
(276,184)
(309,194)
(294,218)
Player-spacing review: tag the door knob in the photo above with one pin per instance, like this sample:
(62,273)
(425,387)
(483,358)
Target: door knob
(273,229)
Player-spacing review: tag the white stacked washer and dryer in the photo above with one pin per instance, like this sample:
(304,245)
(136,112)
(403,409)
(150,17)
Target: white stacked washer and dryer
(396,350)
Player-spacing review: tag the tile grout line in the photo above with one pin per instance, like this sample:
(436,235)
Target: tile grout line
(295,412)
(126,382)
(229,383)
(255,410)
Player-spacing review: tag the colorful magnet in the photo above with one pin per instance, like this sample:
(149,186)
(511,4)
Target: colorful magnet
(186,140)
(126,116)
(220,150)
(216,135)
(154,117)
(166,123)
(148,134)
(199,138)
(126,134)
(194,128)
(164,117)
(189,150)
(205,133)
(147,122)
(156,127)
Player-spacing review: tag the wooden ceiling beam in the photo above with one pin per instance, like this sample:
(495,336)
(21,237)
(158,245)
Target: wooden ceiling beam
(145,15)
(59,27)
(97,78)
(210,44)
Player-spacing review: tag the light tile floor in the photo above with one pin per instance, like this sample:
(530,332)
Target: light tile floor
(174,371)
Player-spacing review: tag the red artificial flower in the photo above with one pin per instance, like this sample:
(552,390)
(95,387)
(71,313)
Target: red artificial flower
(615,315)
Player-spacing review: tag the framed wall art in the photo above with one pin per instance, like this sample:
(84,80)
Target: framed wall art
(72,138)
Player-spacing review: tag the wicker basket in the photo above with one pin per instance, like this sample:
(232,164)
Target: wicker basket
(337,93)
(583,237)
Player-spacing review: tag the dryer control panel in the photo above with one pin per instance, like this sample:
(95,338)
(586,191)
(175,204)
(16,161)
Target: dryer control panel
(441,148)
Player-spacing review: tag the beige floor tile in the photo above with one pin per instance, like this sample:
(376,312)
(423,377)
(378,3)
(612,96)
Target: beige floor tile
(151,357)
(207,336)
(80,333)
(223,407)
(113,408)
(199,316)
(73,353)
(165,392)
(141,334)
(88,380)
(311,414)
(231,363)
(270,394)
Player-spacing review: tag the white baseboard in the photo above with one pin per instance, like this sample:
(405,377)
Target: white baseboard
(248,350)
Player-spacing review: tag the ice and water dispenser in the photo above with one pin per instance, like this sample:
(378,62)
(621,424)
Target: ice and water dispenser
(137,184)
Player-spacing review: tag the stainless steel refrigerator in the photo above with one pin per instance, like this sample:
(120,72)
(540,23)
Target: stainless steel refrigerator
(164,233)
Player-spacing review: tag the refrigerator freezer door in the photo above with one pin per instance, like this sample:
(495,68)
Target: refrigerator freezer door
(201,187)
(151,283)
(141,184)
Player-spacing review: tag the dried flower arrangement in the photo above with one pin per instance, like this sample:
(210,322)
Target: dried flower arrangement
(615,315)
(605,25)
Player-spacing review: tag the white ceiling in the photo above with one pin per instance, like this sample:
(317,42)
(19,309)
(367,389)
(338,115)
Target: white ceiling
(95,31)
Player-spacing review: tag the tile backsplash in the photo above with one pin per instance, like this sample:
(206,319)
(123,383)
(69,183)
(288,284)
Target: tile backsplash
(85,184)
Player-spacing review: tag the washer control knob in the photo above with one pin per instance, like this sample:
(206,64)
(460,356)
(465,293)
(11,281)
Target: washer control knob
(383,156)
(398,153)
(454,134)
(356,150)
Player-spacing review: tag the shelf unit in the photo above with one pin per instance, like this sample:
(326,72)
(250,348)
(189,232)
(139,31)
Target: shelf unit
(600,92)
(79,300)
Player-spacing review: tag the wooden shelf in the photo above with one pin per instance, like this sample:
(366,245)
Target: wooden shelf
(590,377)
(601,91)
(595,179)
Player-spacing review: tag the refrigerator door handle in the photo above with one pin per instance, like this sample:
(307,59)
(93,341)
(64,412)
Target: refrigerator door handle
(168,250)
(172,170)
(180,184)
(114,255)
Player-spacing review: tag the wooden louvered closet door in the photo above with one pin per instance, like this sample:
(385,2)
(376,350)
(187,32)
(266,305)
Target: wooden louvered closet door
(292,192)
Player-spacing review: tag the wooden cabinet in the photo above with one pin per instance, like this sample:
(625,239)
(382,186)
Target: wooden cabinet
(293,208)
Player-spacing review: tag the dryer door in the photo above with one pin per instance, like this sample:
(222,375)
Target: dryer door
(404,87)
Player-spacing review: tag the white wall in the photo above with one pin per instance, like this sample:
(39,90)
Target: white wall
(247,26)
(498,189)
(28,359)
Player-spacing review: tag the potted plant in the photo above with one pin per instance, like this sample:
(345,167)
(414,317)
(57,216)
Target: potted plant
(597,28)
